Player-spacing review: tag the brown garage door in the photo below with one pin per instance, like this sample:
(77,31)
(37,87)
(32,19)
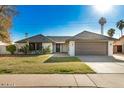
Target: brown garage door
(91,48)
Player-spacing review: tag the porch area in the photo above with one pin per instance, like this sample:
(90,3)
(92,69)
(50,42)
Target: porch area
(34,47)
(60,48)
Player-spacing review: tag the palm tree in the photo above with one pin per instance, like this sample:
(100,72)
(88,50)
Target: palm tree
(7,13)
(102,21)
(120,26)
(111,32)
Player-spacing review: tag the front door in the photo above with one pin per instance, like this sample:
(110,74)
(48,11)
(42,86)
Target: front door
(57,47)
(119,48)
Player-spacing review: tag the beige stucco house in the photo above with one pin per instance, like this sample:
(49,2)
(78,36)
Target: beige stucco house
(84,43)
(119,45)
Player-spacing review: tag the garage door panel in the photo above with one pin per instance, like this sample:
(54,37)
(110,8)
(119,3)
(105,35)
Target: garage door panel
(91,48)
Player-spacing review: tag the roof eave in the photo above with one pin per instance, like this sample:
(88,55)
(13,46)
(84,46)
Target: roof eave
(93,39)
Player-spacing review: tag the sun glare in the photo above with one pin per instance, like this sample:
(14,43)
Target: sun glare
(102,9)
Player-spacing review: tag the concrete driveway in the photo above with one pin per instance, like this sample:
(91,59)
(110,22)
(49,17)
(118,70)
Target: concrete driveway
(105,64)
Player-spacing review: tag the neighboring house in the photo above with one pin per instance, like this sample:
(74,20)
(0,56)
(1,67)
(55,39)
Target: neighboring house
(119,45)
(3,48)
(84,43)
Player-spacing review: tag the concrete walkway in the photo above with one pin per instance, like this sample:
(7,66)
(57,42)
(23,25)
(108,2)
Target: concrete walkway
(62,80)
(60,55)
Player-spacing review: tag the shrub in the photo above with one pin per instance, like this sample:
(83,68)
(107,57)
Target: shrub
(11,48)
(46,50)
(25,49)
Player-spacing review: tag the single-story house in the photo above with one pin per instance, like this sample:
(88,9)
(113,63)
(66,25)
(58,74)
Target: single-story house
(119,45)
(84,43)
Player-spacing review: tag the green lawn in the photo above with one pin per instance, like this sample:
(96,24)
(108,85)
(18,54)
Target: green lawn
(42,64)
(62,59)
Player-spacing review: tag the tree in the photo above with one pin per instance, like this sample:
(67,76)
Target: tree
(111,32)
(5,36)
(120,26)
(5,24)
(102,21)
(7,13)
(11,48)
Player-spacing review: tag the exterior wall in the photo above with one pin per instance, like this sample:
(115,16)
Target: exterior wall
(123,48)
(71,51)
(48,44)
(122,41)
(54,47)
(63,47)
(119,42)
(3,49)
(19,46)
(110,48)
(114,49)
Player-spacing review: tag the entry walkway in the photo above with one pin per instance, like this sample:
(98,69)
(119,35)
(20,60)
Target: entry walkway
(60,55)
(62,80)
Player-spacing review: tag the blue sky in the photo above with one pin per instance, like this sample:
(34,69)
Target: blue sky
(62,20)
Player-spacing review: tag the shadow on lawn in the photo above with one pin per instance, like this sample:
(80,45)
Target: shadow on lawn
(62,59)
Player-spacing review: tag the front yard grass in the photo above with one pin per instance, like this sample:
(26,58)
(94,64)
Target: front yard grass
(42,64)
(62,59)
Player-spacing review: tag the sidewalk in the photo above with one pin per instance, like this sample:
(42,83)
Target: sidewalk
(62,80)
